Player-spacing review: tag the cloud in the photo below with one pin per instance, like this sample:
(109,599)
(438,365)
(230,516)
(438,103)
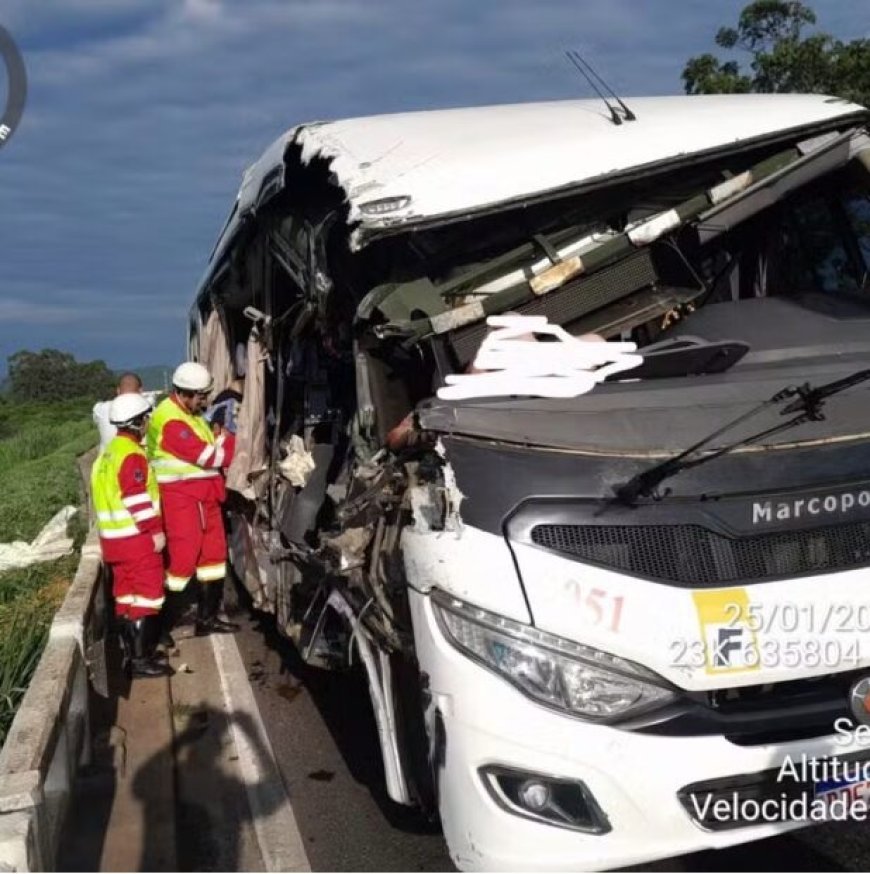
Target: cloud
(23,312)
(142,115)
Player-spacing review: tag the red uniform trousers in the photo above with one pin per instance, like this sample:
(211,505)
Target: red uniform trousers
(195,537)
(137,575)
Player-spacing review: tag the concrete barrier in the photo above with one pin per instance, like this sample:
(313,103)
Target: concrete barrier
(50,736)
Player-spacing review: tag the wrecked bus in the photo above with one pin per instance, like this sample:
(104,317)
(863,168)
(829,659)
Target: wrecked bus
(594,626)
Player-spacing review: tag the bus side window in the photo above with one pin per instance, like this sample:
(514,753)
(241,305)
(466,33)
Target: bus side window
(821,237)
(795,267)
(857,205)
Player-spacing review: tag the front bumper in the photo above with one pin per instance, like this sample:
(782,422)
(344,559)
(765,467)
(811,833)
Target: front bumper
(476,720)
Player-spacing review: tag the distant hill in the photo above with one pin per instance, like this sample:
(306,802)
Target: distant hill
(153,376)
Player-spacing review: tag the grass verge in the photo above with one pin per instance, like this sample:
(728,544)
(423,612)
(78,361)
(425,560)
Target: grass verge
(38,473)
(33,595)
(39,445)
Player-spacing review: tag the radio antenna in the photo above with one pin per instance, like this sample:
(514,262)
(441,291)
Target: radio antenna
(614,115)
(629,115)
(585,68)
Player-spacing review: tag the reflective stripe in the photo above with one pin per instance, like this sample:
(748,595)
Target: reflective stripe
(139,601)
(178,477)
(118,533)
(219,456)
(204,456)
(142,515)
(175,584)
(211,572)
(167,467)
(133,500)
(114,516)
(169,464)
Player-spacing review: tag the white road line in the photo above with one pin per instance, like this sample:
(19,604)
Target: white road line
(281,844)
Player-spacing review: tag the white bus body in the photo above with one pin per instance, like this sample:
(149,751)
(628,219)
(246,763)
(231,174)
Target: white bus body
(575,667)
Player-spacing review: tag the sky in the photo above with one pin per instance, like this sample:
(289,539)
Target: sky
(142,115)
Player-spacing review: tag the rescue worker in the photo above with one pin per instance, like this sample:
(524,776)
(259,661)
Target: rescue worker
(188,457)
(128,383)
(126,499)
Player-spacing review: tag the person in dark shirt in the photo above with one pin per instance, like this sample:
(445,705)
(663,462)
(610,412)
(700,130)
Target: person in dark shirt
(224,409)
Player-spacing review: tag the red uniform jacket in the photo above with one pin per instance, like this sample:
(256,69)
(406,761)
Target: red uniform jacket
(178,440)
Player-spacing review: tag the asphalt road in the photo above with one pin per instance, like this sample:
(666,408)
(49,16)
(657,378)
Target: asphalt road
(323,733)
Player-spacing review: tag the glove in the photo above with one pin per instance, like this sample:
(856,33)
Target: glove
(159,541)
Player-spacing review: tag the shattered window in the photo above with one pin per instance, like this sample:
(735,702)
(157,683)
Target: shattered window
(796,268)
(821,240)
(857,206)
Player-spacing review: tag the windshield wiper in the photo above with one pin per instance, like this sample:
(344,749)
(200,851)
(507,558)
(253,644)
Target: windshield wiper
(807,406)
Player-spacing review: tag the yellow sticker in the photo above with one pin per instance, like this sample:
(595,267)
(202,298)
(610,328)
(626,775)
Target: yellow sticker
(730,646)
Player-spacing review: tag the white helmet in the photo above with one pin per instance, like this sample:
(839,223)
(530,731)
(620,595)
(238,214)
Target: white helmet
(192,376)
(126,408)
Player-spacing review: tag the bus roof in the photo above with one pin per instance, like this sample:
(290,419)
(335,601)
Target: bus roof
(407,169)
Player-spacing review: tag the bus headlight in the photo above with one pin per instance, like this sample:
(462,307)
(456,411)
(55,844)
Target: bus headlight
(577,679)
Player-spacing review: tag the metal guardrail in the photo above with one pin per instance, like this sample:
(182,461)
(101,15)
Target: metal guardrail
(49,739)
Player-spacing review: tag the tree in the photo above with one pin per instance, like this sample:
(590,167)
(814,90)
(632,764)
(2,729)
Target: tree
(51,375)
(771,31)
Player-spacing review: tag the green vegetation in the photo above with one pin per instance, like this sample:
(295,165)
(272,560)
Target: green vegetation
(782,58)
(39,445)
(28,600)
(51,375)
(38,474)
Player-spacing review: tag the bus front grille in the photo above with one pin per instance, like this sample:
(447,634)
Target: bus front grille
(693,555)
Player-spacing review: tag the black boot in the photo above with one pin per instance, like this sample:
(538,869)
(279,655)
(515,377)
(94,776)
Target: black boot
(167,623)
(144,663)
(175,606)
(209,596)
(126,633)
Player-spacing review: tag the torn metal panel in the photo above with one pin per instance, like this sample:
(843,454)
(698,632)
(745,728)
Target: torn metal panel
(421,165)
(379,672)
(817,157)
(427,507)
(453,497)
(410,168)
(349,548)
(474,567)
(248,555)
(434,502)
(614,249)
